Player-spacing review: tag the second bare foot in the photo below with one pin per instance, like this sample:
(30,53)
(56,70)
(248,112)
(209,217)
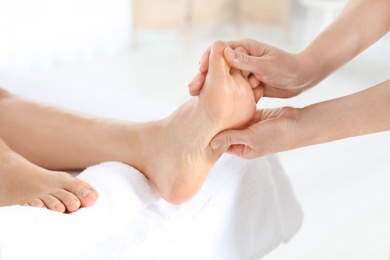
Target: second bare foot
(23,183)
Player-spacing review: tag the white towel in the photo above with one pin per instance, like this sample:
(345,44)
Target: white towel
(240,213)
(244,210)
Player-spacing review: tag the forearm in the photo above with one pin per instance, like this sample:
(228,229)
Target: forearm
(57,138)
(360,24)
(361,113)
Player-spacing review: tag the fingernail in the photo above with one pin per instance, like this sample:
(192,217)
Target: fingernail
(86,193)
(215,145)
(233,53)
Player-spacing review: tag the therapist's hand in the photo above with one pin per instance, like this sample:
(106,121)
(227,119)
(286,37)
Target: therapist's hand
(281,129)
(282,74)
(272,131)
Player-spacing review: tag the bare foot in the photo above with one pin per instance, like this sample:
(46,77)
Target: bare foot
(173,153)
(23,183)
(176,149)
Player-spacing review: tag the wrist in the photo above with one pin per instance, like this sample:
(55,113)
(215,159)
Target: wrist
(322,122)
(311,67)
(352,115)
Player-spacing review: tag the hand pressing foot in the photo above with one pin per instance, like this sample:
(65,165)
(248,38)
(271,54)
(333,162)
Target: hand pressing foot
(176,149)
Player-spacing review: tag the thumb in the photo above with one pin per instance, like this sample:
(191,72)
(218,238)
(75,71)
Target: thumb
(241,60)
(229,137)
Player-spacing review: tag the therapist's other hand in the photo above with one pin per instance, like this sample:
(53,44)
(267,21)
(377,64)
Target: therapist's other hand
(282,74)
(272,131)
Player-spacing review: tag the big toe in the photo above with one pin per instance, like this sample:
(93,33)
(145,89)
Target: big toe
(217,63)
(87,196)
(84,192)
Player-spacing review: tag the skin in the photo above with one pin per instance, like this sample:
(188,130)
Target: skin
(24,183)
(287,128)
(173,153)
(283,75)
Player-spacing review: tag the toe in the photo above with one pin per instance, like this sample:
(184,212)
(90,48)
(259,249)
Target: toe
(85,194)
(53,203)
(217,63)
(88,196)
(68,199)
(37,203)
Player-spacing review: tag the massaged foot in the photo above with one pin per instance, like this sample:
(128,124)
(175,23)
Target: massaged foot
(176,148)
(23,183)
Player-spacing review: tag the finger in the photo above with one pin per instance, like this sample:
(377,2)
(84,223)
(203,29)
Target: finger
(253,81)
(229,137)
(237,150)
(279,93)
(258,93)
(243,50)
(254,48)
(242,151)
(204,61)
(242,61)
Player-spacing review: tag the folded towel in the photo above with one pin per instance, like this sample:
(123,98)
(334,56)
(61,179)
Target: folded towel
(244,209)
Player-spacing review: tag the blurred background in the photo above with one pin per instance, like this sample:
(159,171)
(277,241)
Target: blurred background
(151,48)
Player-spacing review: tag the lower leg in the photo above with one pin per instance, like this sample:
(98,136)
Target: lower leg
(173,152)
(56,138)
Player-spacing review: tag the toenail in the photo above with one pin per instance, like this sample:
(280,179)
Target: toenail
(72,202)
(86,193)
